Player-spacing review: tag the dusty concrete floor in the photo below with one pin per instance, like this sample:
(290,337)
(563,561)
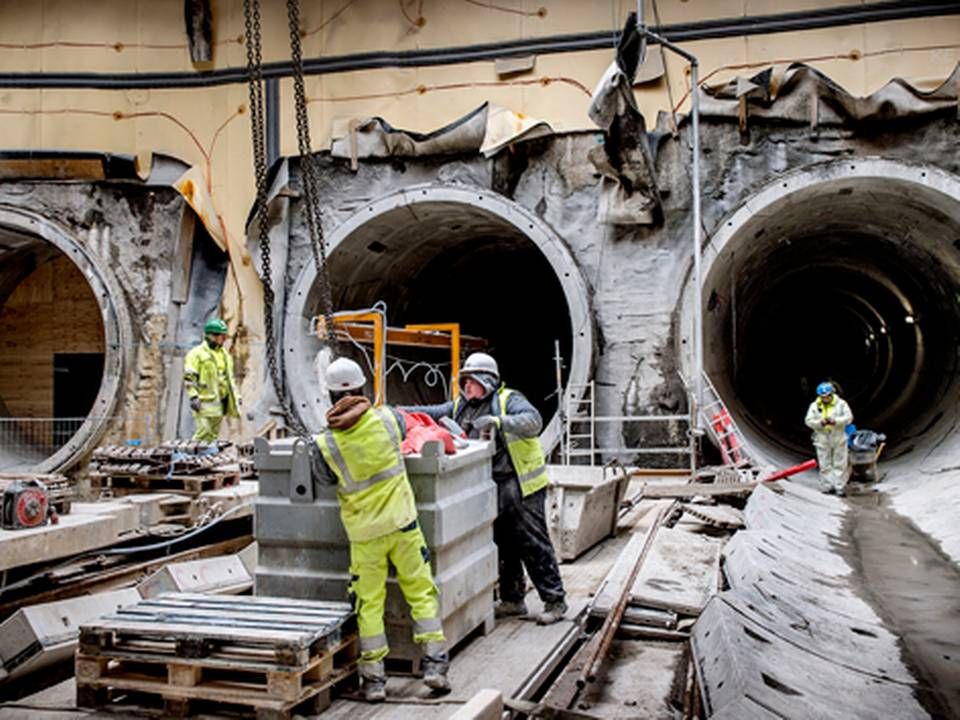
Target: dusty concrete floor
(915,588)
(904,575)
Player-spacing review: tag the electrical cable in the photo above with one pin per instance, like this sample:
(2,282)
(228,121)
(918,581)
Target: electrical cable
(120,551)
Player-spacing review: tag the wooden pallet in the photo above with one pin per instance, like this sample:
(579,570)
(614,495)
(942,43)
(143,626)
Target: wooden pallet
(268,656)
(128,484)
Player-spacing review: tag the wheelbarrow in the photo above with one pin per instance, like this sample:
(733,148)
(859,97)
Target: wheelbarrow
(865,447)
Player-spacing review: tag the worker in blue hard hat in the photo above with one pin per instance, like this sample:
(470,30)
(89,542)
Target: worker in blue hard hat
(828,417)
(210,383)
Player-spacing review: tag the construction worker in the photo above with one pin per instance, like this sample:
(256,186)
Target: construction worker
(360,453)
(520,472)
(828,417)
(211,387)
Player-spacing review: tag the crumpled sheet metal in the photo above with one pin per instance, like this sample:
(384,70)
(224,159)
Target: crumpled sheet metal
(488,130)
(800,93)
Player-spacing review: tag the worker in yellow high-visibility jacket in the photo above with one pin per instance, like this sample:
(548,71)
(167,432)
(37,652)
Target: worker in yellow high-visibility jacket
(360,453)
(211,386)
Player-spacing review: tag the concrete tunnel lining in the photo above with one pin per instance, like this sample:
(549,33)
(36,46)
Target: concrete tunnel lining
(878,238)
(447,218)
(116,325)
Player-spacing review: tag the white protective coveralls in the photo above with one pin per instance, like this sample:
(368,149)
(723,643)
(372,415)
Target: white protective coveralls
(830,441)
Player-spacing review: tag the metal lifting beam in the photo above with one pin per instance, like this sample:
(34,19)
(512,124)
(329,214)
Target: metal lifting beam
(369,328)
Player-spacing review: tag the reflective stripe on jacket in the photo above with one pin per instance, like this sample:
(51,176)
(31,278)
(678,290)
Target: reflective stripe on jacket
(526,454)
(372,486)
(839,411)
(208,375)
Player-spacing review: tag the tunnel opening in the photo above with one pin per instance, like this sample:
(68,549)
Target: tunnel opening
(454,265)
(54,349)
(847,273)
(444,254)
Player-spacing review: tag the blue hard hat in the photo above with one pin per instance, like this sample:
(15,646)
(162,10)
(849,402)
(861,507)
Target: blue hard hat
(824,388)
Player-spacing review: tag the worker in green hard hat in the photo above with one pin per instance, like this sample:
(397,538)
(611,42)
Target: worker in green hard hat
(211,386)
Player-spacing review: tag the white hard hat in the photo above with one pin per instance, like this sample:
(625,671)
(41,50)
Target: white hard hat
(480,363)
(344,374)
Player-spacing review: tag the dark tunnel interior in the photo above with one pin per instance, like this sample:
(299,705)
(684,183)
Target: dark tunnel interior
(857,292)
(458,263)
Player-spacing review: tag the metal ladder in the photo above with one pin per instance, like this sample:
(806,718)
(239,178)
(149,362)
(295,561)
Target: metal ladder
(728,436)
(580,398)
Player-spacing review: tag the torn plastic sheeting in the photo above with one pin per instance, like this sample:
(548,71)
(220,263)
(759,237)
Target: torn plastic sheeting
(488,129)
(788,92)
(193,186)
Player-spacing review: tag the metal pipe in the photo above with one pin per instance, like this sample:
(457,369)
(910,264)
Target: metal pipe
(271,103)
(808,465)
(697,242)
(591,668)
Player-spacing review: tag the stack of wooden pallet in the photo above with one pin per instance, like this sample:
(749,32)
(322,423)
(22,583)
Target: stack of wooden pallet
(268,656)
(185,467)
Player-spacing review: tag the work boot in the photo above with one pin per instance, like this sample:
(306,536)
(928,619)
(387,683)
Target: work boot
(374,689)
(374,682)
(552,612)
(435,668)
(509,609)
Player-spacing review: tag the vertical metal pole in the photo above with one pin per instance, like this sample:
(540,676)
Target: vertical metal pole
(697,242)
(272,120)
(558,364)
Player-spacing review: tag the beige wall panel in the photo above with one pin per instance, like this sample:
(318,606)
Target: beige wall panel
(807,47)
(21,128)
(103,21)
(927,68)
(682,11)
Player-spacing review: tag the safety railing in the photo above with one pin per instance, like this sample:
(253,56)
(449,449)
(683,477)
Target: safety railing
(581,429)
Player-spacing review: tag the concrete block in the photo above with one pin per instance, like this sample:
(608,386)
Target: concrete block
(222,575)
(582,507)
(303,550)
(41,635)
(487,704)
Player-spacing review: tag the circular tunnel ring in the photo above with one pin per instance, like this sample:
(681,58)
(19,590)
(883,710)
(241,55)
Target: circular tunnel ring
(300,371)
(116,324)
(923,199)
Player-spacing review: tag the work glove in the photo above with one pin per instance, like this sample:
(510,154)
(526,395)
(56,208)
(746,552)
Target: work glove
(486,422)
(195,404)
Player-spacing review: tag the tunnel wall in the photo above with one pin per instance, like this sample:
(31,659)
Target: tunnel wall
(123,238)
(634,275)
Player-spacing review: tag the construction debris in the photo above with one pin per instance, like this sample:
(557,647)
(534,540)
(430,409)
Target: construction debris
(42,635)
(271,655)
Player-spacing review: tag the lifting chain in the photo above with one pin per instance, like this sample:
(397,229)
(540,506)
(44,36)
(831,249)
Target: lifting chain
(251,13)
(308,172)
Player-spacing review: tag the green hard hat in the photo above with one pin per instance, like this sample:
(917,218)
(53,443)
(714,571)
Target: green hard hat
(216,326)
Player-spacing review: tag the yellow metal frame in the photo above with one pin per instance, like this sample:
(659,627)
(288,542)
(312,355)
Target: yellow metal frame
(369,328)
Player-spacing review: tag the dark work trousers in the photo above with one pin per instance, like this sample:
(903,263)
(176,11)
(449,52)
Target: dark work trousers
(520,532)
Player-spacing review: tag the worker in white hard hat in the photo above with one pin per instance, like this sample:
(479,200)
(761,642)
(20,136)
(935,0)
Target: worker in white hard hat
(520,471)
(828,417)
(360,453)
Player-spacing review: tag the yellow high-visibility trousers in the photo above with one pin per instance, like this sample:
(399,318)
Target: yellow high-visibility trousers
(207,428)
(407,550)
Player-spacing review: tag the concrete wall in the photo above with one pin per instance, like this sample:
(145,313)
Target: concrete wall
(208,127)
(635,275)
